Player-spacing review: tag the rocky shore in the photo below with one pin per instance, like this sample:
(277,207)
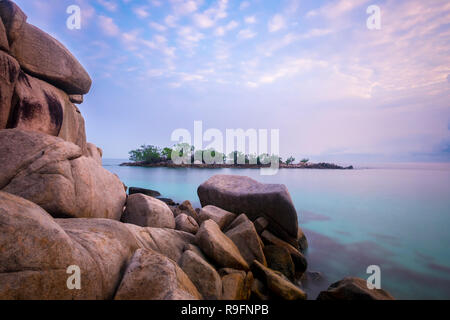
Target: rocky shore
(60,210)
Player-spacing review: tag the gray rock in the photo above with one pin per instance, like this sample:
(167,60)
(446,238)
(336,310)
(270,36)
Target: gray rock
(13,19)
(4,44)
(168,242)
(147,211)
(218,215)
(243,194)
(299,259)
(95,153)
(218,247)
(152,276)
(277,285)
(261,224)
(353,289)
(202,274)
(147,192)
(53,174)
(186,223)
(279,259)
(46,58)
(76,98)
(9,72)
(42,107)
(37,250)
(242,232)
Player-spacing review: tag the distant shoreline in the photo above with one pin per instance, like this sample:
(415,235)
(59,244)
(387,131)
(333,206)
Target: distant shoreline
(323,165)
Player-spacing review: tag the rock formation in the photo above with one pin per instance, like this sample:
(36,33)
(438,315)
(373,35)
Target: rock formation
(60,210)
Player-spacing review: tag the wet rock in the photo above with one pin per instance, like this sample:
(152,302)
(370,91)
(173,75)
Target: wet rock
(353,289)
(279,259)
(299,259)
(277,285)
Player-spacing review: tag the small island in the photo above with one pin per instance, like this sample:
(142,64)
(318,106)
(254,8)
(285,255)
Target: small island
(152,157)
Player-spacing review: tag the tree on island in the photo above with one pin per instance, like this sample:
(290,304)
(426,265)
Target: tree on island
(304,161)
(290,160)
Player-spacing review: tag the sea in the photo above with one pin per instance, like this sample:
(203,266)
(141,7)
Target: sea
(394,216)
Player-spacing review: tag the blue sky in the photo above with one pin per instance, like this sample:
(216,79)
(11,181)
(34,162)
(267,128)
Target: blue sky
(336,90)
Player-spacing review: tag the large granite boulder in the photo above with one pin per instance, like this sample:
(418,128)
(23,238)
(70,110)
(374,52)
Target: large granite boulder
(42,56)
(53,174)
(277,285)
(243,194)
(353,289)
(43,108)
(9,72)
(218,247)
(152,276)
(243,233)
(168,242)
(13,19)
(147,211)
(36,251)
(202,274)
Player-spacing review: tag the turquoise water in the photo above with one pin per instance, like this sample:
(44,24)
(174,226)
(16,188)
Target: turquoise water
(395,217)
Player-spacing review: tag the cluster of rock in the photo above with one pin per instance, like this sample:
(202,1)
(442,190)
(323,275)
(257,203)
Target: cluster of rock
(60,208)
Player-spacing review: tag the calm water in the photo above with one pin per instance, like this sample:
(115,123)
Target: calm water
(396,217)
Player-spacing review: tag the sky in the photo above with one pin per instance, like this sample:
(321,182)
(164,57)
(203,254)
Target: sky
(335,89)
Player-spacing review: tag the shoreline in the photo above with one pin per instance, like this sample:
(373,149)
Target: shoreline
(322,166)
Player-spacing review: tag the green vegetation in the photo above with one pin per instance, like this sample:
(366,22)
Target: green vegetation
(149,154)
(305,161)
(290,160)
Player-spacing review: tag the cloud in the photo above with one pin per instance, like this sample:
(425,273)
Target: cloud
(203,21)
(171,21)
(108,26)
(221,31)
(250,20)
(246,34)
(184,7)
(108,5)
(276,23)
(212,15)
(336,9)
(141,12)
(244,5)
(157,26)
